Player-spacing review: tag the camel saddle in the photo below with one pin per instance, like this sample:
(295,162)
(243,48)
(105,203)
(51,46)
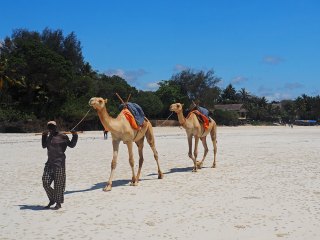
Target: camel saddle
(202,116)
(134,114)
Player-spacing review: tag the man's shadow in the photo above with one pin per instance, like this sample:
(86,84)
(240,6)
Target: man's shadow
(32,207)
(96,186)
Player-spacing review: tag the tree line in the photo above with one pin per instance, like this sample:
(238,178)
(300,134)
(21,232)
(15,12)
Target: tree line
(44,76)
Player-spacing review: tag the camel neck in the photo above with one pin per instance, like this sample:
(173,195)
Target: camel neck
(182,120)
(106,120)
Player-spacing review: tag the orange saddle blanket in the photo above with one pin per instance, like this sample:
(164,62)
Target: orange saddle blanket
(130,118)
(205,120)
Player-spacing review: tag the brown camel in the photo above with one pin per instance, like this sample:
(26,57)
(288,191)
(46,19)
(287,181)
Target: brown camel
(195,129)
(121,130)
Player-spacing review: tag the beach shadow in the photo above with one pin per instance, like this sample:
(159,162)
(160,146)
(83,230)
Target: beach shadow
(32,207)
(174,170)
(101,185)
(177,170)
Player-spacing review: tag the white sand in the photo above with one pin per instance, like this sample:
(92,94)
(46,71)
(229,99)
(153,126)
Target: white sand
(266,186)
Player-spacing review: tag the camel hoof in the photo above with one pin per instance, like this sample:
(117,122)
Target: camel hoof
(134,184)
(213,166)
(107,188)
(199,165)
(160,176)
(194,170)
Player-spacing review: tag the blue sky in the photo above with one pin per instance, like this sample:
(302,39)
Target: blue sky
(271,48)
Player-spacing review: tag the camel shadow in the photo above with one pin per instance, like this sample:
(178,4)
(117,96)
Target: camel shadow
(101,185)
(177,170)
(32,207)
(174,170)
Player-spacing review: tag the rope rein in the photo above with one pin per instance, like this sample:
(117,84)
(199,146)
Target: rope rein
(81,120)
(166,120)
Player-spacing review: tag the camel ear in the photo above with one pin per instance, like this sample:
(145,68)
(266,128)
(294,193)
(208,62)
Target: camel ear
(106,100)
(182,105)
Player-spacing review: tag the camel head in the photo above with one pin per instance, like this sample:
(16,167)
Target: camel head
(98,103)
(176,107)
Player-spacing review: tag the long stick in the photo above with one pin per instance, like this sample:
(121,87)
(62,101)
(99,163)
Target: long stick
(128,98)
(120,99)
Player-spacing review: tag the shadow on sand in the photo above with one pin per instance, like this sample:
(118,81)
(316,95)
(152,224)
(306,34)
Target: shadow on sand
(174,170)
(178,170)
(32,207)
(100,185)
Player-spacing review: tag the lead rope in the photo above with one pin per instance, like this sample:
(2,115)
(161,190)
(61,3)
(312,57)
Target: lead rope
(81,120)
(166,119)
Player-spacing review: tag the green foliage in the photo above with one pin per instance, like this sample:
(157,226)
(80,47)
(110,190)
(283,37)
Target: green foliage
(74,108)
(169,93)
(227,118)
(229,95)
(196,85)
(150,103)
(10,115)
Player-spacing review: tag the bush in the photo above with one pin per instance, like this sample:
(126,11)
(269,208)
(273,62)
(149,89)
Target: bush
(74,108)
(9,114)
(226,117)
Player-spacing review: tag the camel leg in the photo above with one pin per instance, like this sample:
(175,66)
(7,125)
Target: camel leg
(213,134)
(151,141)
(140,144)
(190,153)
(206,150)
(195,152)
(131,162)
(115,145)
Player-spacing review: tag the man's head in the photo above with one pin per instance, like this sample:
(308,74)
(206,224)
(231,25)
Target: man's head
(52,126)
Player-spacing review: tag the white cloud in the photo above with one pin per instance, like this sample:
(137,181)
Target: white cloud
(278,96)
(179,68)
(152,86)
(292,86)
(274,60)
(315,92)
(128,75)
(239,80)
(264,91)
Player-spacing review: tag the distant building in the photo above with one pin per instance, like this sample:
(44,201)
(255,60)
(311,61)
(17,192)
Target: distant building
(238,108)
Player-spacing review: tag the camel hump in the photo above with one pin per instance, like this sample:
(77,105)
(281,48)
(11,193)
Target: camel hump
(136,111)
(203,111)
(203,119)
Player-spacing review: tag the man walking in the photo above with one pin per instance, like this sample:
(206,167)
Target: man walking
(54,171)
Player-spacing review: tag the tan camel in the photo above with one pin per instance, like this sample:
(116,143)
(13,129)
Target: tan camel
(195,129)
(121,130)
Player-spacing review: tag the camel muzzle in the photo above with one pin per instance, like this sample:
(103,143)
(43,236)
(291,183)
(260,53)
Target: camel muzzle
(90,102)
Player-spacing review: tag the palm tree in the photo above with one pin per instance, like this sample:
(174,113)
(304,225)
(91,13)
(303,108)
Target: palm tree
(244,95)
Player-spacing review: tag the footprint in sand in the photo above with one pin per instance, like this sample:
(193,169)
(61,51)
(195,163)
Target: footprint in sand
(240,226)
(282,234)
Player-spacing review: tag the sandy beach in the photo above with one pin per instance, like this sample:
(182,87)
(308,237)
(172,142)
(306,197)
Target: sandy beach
(266,186)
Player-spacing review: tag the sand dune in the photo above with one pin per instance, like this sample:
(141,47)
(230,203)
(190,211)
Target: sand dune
(266,186)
